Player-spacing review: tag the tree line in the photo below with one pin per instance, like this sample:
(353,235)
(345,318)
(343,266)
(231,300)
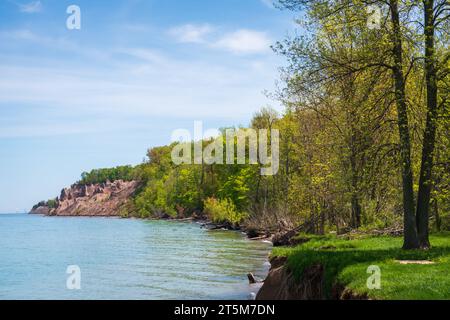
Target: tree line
(125,173)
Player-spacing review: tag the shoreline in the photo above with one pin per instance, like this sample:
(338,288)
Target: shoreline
(204,223)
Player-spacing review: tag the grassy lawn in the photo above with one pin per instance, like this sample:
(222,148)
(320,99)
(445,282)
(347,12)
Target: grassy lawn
(346,262)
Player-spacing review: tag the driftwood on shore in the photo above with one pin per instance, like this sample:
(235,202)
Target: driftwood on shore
(220,226)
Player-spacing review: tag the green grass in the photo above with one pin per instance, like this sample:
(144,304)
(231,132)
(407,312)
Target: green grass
(346,262)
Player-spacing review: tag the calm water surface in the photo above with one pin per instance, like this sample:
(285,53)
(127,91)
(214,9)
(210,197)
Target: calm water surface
(124,259)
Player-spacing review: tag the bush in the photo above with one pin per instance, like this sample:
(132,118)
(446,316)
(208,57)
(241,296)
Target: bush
(221,211)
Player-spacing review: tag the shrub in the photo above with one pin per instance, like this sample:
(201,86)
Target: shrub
(221,211)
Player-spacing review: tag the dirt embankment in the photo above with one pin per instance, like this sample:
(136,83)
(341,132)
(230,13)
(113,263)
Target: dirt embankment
(103,199)
(281,284)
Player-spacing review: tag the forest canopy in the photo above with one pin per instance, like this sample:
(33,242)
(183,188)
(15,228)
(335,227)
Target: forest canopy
(125,173)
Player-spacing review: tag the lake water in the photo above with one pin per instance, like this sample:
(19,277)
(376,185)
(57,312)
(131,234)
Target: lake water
(124,259)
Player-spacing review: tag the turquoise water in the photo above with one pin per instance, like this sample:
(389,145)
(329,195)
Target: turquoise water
(124,259)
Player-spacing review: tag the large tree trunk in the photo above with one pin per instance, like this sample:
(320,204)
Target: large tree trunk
(410,240)
(429,136)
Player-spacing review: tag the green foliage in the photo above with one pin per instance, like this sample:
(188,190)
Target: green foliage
(180,190)
(169,189)
(223,210)
(236,187)
(184,188)
(153,200)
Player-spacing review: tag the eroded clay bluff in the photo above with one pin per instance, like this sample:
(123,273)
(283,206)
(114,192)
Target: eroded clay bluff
(103,199)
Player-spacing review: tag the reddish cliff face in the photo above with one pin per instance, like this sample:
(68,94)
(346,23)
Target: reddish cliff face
(104,199)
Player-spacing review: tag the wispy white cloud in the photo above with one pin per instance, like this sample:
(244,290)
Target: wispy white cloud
(30,7)
(244,42)
(190,33)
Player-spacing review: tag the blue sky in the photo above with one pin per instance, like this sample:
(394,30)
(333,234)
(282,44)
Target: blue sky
(73,100)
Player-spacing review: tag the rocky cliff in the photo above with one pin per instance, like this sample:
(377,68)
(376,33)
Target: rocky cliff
(104,199)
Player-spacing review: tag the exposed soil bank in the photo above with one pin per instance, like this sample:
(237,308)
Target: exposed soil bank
(280,284)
